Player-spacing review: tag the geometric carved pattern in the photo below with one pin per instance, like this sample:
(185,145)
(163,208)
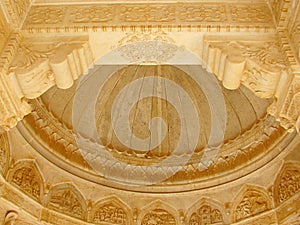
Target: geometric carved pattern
(253,202)
(110,213)
(66,199)
(287,183)
(158,217)
(27,177)
(206,215)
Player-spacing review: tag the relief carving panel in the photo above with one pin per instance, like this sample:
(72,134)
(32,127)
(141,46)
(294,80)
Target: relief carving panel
(252,202)
(158,217)
(110,212)
(287,183)
(27,177)
(206,215)
(66,199)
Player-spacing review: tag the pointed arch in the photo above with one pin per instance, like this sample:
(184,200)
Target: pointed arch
(111,211)
(67,199)
(250,201)
(158,211)
(206,211)
(27,176)
(287,182)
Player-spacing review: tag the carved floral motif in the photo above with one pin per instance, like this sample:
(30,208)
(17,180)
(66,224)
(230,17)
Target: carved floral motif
(289,184)
(46,15)
(253,202)
(158,217)
(206,215)
(110,213)
(26,178)
(66,201)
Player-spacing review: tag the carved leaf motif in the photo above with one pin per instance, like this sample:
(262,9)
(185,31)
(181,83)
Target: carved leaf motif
(158,217)
(111,214)
(26,179)
(252,203)
(289,184)
(67,202)
(206,215)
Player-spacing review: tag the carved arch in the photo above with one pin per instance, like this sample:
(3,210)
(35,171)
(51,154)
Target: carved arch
(158,211)
(287,182)
(67,199)
(27,176)
(250,201)
(206,211)
(4,153)
(111,211)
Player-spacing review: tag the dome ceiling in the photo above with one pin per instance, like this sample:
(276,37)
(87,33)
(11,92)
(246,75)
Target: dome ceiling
(153,125)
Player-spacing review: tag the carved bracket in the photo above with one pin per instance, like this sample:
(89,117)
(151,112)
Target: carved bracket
(259,66)
(41,66)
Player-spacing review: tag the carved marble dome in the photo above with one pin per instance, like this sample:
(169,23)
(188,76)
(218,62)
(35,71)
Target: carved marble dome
(149,112)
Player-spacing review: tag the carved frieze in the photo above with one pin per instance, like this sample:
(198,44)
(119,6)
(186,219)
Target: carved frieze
(287,183)
(66,199)
(120,15)
(251,201)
